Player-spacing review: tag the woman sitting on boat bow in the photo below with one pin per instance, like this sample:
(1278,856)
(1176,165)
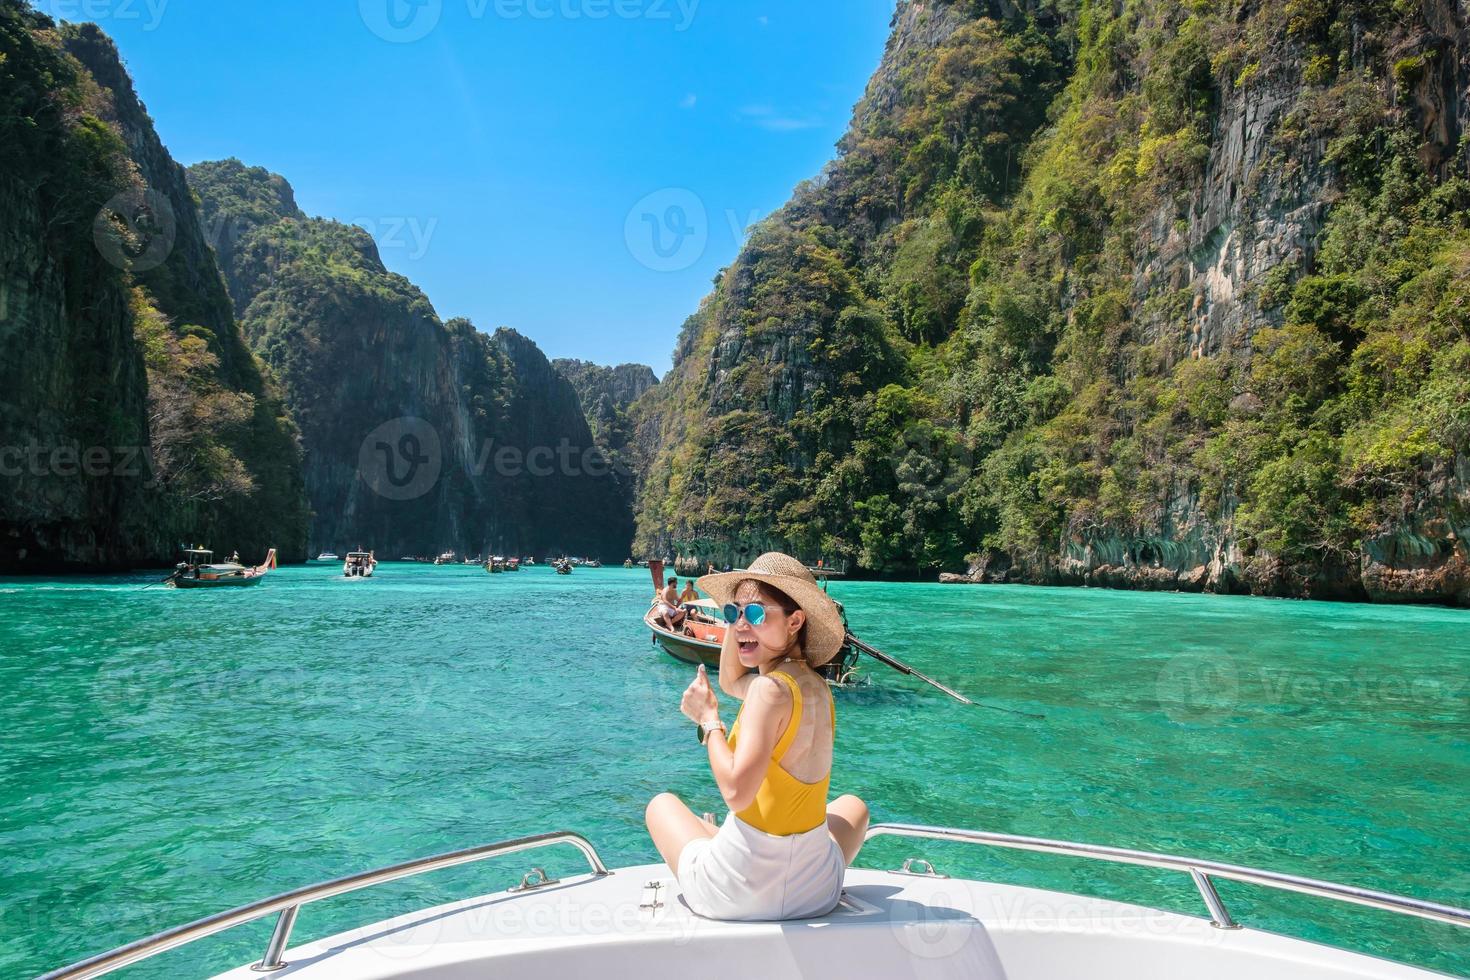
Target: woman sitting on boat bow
(782,851)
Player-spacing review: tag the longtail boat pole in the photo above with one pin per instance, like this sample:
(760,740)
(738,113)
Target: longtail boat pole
(904,668)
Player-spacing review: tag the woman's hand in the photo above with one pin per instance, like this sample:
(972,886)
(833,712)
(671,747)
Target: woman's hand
(699,704)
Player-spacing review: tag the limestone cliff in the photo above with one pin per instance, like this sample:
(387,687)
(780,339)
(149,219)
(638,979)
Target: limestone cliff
(1142,295)
(420,435)
(606,394)
(133,416)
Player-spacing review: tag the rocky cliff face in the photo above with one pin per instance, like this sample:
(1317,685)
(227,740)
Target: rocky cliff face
(133,415)
(605,390)
(606,394)
(421,436)
(1143,295)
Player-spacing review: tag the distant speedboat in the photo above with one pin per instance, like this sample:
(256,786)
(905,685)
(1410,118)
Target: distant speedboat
(198,570)
(445,559)
(327,556)
(360,564)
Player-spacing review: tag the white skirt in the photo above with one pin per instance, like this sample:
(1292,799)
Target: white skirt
(747,875)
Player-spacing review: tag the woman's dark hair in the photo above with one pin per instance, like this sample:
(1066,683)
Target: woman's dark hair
(788,605)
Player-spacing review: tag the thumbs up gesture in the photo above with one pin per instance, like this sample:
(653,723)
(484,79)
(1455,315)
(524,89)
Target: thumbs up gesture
(699,704)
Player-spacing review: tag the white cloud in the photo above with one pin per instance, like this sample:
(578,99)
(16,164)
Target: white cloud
(769,119)
(688,101)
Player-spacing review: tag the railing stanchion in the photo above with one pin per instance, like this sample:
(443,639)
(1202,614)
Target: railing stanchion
(280,939)
(1219,914)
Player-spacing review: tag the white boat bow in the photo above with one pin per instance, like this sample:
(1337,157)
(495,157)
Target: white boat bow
(910,923)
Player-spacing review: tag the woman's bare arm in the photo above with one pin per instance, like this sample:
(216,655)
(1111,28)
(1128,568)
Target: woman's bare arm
(739,773)
(735,677)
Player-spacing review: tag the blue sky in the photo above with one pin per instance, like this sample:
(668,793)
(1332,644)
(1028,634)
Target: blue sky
(516,158)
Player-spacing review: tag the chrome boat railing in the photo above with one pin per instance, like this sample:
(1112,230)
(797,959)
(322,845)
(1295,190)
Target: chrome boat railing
(289,904)
(1202,872)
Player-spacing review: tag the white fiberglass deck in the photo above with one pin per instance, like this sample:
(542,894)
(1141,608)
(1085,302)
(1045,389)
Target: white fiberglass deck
(891,926)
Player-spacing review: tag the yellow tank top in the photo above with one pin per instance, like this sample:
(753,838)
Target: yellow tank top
(784,805)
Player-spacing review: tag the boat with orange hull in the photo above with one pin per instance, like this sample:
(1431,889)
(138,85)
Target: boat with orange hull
(198,570)
(698,643)
(701,634)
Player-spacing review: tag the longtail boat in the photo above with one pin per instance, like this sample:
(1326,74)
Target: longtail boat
(199,571)
(700,635)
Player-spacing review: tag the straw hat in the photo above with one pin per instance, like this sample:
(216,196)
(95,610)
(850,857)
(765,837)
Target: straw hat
(824,629)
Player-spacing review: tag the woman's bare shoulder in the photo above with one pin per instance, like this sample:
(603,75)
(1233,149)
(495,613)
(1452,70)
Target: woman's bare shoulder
(768,690)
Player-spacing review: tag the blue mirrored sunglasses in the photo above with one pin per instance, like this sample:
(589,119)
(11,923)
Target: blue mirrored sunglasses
(755,613)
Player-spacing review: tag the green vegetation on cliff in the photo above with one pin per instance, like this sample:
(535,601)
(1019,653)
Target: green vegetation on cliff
(119,343)
(1137,293)
(606,394)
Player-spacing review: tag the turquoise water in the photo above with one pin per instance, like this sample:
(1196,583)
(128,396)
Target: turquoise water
(172,754)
